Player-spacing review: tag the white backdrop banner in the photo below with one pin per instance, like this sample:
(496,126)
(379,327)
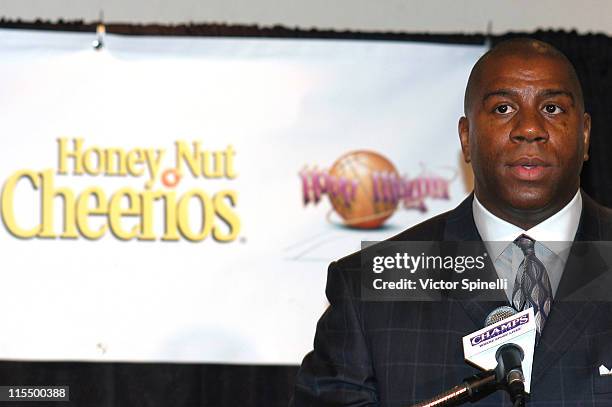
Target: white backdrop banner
(179,199)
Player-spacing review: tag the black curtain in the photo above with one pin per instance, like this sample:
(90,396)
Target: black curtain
(189,385)
(155,384)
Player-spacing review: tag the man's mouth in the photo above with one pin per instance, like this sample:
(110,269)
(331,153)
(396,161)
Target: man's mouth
(529,168)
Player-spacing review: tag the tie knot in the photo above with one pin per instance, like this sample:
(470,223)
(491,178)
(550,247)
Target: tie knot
(526,244)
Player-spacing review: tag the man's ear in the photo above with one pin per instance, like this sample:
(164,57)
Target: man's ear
(586,135)
(464,138)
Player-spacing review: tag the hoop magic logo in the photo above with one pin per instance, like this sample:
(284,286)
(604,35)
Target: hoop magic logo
(365,188)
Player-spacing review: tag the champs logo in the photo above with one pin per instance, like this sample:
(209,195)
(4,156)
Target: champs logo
(157,211)
(365,189)
(499,330)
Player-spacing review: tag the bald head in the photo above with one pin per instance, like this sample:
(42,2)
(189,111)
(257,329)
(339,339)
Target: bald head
(519,49)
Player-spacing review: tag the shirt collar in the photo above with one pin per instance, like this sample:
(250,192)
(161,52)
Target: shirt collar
(561,227)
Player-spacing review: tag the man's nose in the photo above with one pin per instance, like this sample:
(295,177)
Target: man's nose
(529,127)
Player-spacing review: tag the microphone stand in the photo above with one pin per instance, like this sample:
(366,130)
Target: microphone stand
(472,389)
(477,387)
(507,375)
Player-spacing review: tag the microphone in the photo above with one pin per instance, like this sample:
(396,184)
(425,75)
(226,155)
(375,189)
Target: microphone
(506,344)
(499,314)
(509,356)
(509,372)
(503,349)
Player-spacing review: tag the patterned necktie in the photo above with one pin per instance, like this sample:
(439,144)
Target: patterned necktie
(532,286)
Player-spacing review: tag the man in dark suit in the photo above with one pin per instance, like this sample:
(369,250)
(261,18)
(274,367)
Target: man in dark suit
(526,135)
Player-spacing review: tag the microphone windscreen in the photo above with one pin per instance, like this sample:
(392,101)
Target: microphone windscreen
(498,314)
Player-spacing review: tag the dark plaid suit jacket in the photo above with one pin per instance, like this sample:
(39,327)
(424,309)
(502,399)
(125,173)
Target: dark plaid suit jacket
(399,353)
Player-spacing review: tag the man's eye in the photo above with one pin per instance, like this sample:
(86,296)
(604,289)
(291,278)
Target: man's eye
(504,109)
(552,109)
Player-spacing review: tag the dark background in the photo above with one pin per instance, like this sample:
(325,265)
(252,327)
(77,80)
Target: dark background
(182,385)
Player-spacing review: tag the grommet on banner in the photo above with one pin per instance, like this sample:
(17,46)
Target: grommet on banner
(98,43)
(489,35)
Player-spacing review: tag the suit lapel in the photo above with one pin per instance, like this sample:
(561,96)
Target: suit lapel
(569,319)
(567,322)
(460,226)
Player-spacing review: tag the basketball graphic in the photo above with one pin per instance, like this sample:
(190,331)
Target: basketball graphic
(363,212)
(365,189)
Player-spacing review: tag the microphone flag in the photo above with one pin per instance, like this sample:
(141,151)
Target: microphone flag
(479,347)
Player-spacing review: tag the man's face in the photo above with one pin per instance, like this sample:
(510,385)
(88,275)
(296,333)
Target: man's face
(526,134)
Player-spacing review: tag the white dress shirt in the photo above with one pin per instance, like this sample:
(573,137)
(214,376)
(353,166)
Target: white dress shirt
(553,236)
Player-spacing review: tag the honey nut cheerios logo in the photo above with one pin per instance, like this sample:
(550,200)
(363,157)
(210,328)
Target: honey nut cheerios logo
(127,212)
